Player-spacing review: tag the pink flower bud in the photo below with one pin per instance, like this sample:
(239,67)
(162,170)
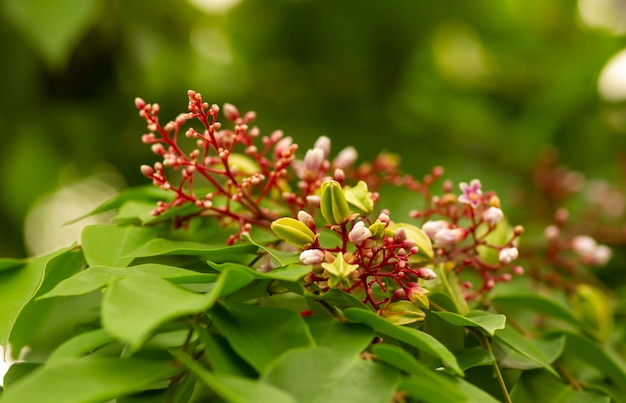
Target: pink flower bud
(426,273)
(313,201)
(584,245)
(231,112)
(282,147)
(147,170)
(306,219)
(345,158)
(323,143)
(359,233)
(312,256)
(140,103)
(493,215)
(507,255)
(313,161)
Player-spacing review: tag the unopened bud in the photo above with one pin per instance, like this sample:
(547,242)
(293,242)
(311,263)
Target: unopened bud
(306,219)
(293,232)
(345,158)
(323,143)
(147,170)
(359,233)
(507,255)
(493,215)
(312,256)
(140,103)
(231,112)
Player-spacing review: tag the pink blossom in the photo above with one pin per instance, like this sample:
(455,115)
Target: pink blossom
(471,193)
(507,255)
(448,237)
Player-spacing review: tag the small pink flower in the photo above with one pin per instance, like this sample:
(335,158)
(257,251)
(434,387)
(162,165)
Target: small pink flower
(449,237)
(507,255)
(471,193)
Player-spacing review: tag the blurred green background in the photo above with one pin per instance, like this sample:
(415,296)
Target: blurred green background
(481,87)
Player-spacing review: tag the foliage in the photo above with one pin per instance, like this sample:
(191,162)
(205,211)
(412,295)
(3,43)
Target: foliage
(261,277)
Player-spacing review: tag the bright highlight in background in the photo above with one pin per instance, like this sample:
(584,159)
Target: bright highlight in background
(612,81)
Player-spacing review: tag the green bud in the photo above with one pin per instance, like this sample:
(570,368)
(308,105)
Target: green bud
(293,232)
(360,198)
(402,313)
(415,234)
(377,229)
(339,272)
(333,203)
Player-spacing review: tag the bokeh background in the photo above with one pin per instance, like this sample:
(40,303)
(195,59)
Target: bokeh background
(485,88)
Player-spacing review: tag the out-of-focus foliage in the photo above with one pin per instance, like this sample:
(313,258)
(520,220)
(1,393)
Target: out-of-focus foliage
(480,87)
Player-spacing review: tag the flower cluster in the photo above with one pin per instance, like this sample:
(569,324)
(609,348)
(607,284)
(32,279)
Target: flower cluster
(325,208)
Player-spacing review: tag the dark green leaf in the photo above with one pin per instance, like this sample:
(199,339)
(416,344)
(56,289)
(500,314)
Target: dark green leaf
(90,380)
(539,386)
(424,383)
(489,322)
(474,357)
(97,277)
(234,389)
(413,337)
(108,245)
(347,337)
(221,357)
(529,353)
(260,334)
(318,374)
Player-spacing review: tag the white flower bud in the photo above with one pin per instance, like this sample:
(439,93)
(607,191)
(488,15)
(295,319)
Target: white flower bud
(323,143)
(493,215)
(507,255)
(345,158)
(432,227)
(359,233)
(312,256)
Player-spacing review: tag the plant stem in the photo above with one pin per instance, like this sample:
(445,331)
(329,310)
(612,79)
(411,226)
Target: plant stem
(486,343)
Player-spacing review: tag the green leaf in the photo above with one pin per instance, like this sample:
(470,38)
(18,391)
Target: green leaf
(28,325)
(133,307)
(489,322)
(88,380)
(215,253)
(530,354)
(474,357)
(283,258)
(147,194)
(108,245)
(54,38)
(447,284)
(221,357)
(360,198)
(540,386)
(260,334)
(413,337)
(17,287)
(536,303)
(424,384)
(97,277)
(347,337)
(234,389)
(292,272)
(596,356)
(8,263)
(319,374)
(80,345)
